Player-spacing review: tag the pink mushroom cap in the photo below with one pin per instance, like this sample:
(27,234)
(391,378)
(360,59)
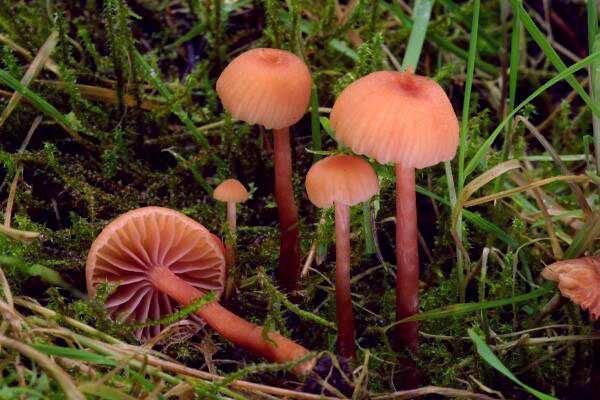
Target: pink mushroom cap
(130,246)
(264,86)
(343,179)
(231,190)
(397,117)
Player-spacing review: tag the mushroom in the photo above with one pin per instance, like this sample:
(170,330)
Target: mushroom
(230,191)
(272,88)
(406,119)
(579,280)
(160,258)
(342,181)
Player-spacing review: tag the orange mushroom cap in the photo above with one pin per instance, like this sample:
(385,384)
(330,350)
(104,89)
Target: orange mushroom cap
(579,280)
(231,190)
(397,117)
(136,242)
(341,179)
(269,87)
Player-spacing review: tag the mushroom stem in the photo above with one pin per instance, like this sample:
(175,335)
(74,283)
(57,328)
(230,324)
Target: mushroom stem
(407,256)
(230,247)
(249,336)
(343,299)
(288,271)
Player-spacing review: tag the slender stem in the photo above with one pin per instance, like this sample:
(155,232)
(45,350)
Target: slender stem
(407,256)
(273,346)
(289,252)
(230,247)
(343,293)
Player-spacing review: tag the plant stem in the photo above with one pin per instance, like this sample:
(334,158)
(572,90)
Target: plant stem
(249,336)
(289,253)
(230,247)
(343,292)
(407,256)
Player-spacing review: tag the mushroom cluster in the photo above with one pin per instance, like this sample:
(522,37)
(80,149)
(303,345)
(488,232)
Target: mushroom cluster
(159,258)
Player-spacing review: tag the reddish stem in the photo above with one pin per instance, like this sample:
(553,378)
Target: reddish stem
(230,247)
(407,256)
(288,271)
(343,294)
(237,330)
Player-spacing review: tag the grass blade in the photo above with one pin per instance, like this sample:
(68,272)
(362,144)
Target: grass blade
(552,55)
(488,355)
(73,354)
(35,99)
(475,219)
(34,69)
(421,15)
(472,164)
(455,310)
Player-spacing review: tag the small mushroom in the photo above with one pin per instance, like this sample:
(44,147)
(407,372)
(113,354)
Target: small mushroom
(406,119)
(579,280)
(342,181)
(272,88)
(160,258)
(230,191)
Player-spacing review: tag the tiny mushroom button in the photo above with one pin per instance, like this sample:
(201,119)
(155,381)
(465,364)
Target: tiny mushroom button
(342,181)
(231,191)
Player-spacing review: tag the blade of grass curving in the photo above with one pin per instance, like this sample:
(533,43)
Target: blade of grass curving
(35,99)
(585,237)
(593,46)
(421,15)
(439,41)
(464,123)
(475,218)
(488,355)
(34,69)
(64,380)
(459,309)
(532,185)
(464,130)
(595,90)
(472,164)
(515,39)
(550,53)
(73,354)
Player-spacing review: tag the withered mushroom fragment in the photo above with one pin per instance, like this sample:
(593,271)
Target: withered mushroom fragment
(406,119)
(272,87)
(579,280)
(159,258)
(342,181)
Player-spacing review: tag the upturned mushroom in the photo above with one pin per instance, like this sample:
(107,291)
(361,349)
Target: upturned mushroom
(159,258)
(578,280)
(232,192)
(406,119)
(342,181)
(272,88)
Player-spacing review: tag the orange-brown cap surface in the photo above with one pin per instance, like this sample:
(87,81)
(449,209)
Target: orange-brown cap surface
(341,179)
(397,117)
(579,280)
(231,190)
(269,87)
(140,240)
